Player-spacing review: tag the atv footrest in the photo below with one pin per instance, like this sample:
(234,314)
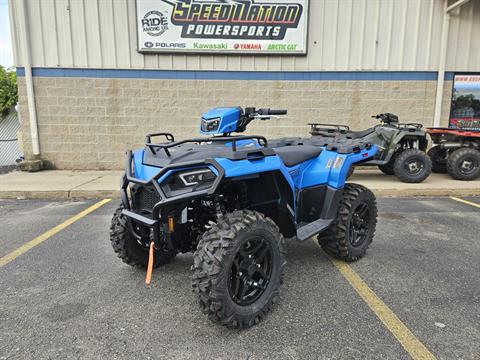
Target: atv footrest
(306,231)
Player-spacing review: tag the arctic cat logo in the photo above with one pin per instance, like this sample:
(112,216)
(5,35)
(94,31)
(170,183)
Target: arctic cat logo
(235,19)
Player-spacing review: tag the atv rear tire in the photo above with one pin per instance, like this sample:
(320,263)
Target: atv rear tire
(238,267)
(412,166)
(129,249)
(464,164)
(351,233)
(438,156)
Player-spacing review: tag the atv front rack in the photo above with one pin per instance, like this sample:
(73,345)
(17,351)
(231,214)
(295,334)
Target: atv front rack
(262,141)
(169,136)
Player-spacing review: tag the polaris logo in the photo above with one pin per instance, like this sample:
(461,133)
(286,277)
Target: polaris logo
(165,45)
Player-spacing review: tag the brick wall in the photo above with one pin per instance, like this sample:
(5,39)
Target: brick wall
(89,123)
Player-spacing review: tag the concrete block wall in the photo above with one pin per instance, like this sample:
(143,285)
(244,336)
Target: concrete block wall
(88,123)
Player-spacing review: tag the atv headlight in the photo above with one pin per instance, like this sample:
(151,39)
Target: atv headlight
(197,177)
(210,125)
(186,181)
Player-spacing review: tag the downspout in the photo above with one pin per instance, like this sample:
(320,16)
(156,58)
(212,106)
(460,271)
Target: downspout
(443,59)
(32,111)
(441,67)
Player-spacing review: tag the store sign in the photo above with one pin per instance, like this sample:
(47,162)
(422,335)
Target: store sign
(465,109)
(223,26)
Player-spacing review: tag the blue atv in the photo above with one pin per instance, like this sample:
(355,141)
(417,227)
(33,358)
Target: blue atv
(232,200)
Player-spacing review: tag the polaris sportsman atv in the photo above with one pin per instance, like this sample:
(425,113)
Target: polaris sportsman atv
(232,200)
(401,146)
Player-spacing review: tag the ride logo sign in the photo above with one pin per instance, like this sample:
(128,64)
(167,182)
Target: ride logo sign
(278,27)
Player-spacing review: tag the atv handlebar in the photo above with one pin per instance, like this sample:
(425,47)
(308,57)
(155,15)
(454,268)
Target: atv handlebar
(276,112)
(387,118)
(252,113)
(264,112)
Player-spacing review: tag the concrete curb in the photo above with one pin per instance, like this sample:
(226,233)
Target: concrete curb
(100,194)
(424,192)
(59,195)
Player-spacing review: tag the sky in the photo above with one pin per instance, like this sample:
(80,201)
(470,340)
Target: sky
(6,55)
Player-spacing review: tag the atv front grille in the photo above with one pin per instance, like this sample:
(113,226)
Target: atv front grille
(144,198)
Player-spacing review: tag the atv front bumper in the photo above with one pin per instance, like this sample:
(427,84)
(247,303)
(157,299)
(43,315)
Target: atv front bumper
(155,217)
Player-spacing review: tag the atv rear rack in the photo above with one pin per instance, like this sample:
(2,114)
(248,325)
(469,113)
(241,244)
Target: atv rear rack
(453,131)
(412,126)
(262,141)
(329,126)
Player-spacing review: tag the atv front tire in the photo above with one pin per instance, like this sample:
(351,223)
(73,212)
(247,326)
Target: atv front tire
(387,168)
(412,166)
(439,159)
(238,267)
(129,249)
(351,233)
(464,164)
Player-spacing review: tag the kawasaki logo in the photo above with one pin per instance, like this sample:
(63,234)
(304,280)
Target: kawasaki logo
(222,46)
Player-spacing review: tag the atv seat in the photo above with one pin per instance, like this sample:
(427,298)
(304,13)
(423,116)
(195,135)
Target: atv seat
(360,134)
(296,154)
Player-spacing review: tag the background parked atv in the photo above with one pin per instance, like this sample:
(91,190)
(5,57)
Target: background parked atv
(456,152)
(232,200)
(401,146)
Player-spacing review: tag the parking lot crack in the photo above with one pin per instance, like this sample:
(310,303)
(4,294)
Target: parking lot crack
(83,184)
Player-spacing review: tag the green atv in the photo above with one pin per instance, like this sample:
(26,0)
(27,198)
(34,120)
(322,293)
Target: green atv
(401,146)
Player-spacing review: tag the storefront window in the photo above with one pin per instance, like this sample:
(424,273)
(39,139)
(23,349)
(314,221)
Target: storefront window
(465,109)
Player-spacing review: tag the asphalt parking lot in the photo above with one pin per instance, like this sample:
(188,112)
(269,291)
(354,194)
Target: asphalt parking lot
(69,297)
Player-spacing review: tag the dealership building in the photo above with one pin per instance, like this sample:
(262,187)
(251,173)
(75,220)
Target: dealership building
(94,76)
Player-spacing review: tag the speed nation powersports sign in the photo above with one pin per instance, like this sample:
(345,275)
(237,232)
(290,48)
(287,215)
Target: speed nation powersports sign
(223,26)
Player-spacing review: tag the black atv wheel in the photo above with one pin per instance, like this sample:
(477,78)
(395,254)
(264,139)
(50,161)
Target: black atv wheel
(238,267)
(412,166)
(131,251)
(351,233)
(464,164)
(387,168)
(438,156)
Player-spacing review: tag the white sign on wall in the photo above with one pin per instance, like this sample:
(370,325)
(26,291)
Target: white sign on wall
(223,26)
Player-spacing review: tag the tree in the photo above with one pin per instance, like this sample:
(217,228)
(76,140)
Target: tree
(8,90)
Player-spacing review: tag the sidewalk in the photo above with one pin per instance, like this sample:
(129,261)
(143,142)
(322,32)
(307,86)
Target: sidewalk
(63,184)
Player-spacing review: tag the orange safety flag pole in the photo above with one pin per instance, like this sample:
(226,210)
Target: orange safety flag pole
(148,278)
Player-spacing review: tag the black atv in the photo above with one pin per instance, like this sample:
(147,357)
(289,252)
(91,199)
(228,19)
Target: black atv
(401,146)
